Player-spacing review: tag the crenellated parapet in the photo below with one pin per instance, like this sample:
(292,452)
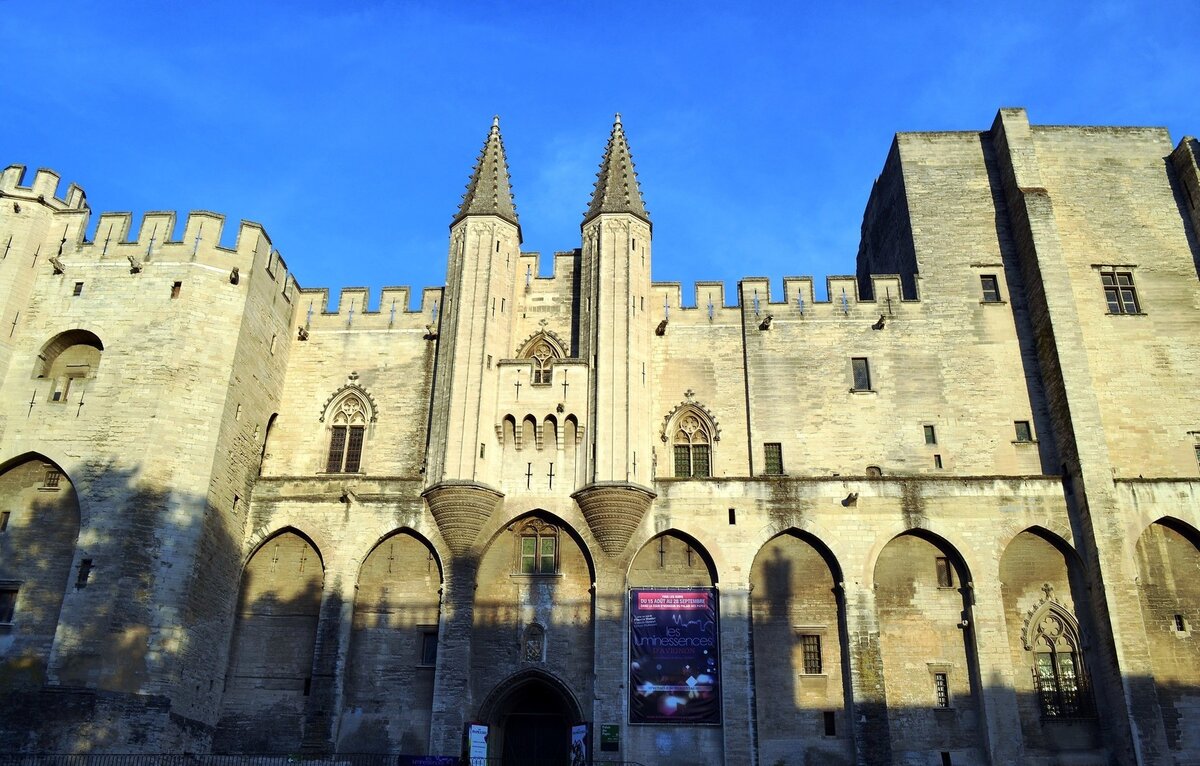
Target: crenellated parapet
(43,188)
(355,311)
(798,300)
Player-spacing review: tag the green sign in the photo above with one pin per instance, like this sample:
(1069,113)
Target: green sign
(610,737)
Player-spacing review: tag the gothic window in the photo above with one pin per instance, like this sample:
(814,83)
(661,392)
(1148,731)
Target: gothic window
(1058,674)
(542,355)
(346,436)
(537,549)
(693,448)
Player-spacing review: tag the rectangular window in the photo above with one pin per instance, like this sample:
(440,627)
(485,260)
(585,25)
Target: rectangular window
(937,461)
(78,289)
(429,643)
(1024,432)
(830,724)
(1180,624)
(1119,292)
(354,449)
(991,288)
(529,555)
(930,435)
(4,517)
(85,571)
(337,446)
(942,687)
(53,477)
(1198,454)
(175,288)
(62,386)
(945,573)
(683,461)
(810,645)
(546,555)
(8,603)
(700,466)
(774,455)
(862,374)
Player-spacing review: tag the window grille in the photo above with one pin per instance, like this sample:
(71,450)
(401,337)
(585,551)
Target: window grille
(810,646)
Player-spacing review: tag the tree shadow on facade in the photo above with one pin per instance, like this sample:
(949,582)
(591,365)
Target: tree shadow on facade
(116,610)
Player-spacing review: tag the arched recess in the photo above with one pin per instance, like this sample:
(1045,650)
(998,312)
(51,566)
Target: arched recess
(1168,557)
(393,648)
(529,715)
(271,654)
(1047,648)
(536,571)
(672,559)
(923,602)
(799,652)
(68,359)
(39,529)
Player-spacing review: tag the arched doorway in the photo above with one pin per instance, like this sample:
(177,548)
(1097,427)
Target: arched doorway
(529,720)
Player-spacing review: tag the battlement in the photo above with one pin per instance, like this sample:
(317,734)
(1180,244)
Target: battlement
(43,189)
(798,299)
(529,264)
(353,309)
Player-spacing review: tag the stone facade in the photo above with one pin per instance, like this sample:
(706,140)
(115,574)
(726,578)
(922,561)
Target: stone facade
(950,513)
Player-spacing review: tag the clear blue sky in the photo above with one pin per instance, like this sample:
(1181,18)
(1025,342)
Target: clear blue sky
(349,129)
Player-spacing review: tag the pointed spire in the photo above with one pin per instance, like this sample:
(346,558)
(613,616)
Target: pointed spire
(617,189)
(489,191)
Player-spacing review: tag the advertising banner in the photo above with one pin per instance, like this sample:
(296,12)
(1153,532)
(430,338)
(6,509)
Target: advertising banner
(673,656)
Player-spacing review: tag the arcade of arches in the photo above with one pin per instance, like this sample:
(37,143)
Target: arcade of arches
(538,622)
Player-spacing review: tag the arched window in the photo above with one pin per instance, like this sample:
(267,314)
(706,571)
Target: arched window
(537,548)
(542,356)
(1057,671)
(349,425)
(69,357)
(543,348)
(693,447)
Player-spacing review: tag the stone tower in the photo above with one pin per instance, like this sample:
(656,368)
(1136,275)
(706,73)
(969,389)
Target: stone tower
(615,340)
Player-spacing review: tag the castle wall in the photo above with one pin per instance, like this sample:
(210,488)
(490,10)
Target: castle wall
(259,582)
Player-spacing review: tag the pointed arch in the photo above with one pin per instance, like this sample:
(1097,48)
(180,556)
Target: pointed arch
(272,646)
(348,412)
(39,542)
(691,431)
(554,345)
(395,625)
(672,558)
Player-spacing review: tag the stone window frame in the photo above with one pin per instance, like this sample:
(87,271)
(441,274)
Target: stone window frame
(989,285)
(772,459)
(349,412)
(860,373)
(944,570)
(939,674)
(821,633)
(10,593)
(1120,291)
(1026,436)
(688,419)
(544,348)
(429,636)
(539,532)
(1060,680)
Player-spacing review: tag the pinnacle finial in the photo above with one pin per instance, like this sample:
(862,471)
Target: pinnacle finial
(489,191)
(617,189)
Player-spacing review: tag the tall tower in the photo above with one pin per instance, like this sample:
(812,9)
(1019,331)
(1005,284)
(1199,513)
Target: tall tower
(615,331)
(477,308)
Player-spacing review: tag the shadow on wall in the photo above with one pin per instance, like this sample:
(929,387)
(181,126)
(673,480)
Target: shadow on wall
(114,610)
(114,637)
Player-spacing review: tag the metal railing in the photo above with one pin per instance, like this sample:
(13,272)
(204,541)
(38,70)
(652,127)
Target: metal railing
(347,759)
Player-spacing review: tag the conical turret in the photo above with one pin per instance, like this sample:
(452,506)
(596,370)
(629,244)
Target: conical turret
(489,191)
(617,189)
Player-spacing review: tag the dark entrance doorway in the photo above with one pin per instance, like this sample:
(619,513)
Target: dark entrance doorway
(533,719)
